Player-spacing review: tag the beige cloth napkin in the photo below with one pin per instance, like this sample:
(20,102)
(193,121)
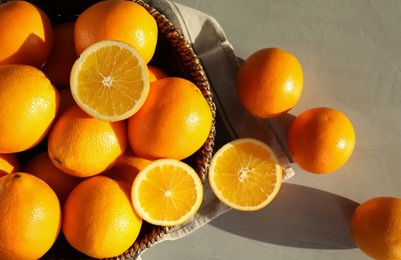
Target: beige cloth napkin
(221,65)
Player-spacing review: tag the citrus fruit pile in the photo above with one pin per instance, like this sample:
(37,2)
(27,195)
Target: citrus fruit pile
(93,136)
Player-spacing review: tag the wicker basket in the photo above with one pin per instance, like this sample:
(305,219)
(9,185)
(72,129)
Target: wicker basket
(177,58)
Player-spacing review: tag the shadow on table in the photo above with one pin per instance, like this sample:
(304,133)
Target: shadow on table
(298,217)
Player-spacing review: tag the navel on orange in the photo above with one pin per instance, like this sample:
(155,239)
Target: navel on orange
(245,174)
(269,82)
(30,217)
(167,192)
(321,140)
(109,80)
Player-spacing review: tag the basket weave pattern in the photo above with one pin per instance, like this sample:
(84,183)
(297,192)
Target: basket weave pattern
(176,56)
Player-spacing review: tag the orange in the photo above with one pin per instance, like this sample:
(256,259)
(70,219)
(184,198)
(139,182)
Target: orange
(30,217)
(26,34)
(155,73)
(8,163)
(174,121)
(321,140)
(59,64)
(99,219)
(167,192)
(84,146)
(42,167)
(376,228)
(110,80)
(29,104)
(269,82)
(117,20)
(245,174)
(127,167)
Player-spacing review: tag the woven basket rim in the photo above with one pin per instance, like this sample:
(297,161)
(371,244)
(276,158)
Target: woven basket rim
(201,81)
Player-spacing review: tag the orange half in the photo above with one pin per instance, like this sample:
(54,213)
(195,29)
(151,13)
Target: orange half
(245,174)
(167,192)
(110,80)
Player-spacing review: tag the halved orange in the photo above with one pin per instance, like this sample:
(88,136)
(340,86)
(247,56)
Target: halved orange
(167,192)
(110,80)
(245,174)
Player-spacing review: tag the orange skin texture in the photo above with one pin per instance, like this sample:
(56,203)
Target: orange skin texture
(117,20)
(321,140)
(84,146)
(29,106)
(31,217)
(376,228)
(99,219)
(26,34)
(269,82)
(174,121)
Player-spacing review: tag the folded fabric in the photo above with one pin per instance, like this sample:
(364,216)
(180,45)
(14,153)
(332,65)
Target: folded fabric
(221,65)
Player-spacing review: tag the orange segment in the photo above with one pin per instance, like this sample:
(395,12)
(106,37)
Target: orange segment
(110,81)
(245,174)
(167,192)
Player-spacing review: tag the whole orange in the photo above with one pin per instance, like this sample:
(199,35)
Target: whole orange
(59,64)
(269,82)
(99,219)
(8,163)
(174,121)
(30,217)
(29,104)
(82,145)
(376,228)
(42,167)
(321,140)
(117,20)
(26,34)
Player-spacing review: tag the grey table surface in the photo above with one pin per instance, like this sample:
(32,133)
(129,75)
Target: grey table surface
(351,57)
